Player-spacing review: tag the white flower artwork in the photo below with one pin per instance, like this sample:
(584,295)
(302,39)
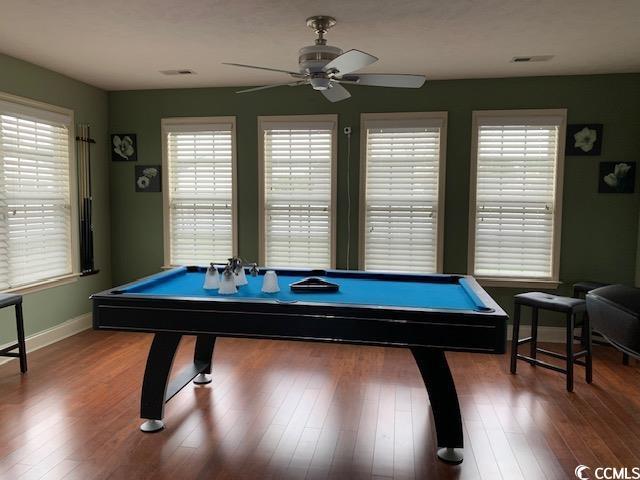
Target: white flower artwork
(585,139)
(150,172)
(143,182)
(617,177)
(147,178)
(124,147)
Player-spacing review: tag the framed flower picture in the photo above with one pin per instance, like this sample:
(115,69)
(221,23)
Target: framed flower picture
(124,147)
(617,177)
(148,178)
(584,139)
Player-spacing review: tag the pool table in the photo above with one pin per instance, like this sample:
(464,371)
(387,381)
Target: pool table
(428,314)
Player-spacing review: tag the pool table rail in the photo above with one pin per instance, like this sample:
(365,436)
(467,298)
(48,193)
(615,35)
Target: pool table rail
(394,327)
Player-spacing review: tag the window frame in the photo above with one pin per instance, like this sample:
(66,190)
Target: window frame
(165,129)
(288,120)
(74,247)
(402,117)
(524,282)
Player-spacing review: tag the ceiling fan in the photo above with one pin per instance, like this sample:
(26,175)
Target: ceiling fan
(326,68)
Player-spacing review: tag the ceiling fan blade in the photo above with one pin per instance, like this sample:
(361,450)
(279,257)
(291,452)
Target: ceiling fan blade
(388,80)
(350,62)
(255,89)
(336,93)
(294,74)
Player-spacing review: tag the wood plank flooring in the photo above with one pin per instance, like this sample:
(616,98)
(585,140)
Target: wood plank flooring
(287,410)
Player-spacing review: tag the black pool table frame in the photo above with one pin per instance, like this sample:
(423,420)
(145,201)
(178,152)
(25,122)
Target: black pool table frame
(428,333)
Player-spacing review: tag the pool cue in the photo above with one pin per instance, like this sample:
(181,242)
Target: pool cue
(80,139)
(85,200)
(89,211)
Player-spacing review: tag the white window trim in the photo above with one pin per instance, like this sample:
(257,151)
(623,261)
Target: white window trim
(166,125)
(554,280)
(288,119)
(400,116)
(73,276)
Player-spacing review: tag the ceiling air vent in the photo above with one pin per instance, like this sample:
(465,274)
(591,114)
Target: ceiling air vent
(533,58)
(182,71)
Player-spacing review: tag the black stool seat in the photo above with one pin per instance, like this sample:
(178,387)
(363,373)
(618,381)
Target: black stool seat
(568,306)
(7,300)
(582,288)
(547,301)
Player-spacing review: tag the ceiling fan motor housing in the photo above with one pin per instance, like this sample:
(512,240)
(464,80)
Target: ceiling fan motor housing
(314,57)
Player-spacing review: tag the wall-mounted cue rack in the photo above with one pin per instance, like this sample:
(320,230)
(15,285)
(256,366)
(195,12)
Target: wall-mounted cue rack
(84,142)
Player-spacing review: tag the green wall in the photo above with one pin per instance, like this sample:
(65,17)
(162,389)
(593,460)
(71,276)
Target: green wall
(52,306)
(599,232)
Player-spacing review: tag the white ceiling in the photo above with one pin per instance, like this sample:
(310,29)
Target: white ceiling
(123,44)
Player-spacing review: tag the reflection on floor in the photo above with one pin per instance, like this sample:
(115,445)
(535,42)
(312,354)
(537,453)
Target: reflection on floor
(287,410)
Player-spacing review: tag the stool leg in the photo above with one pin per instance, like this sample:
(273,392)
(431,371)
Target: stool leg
(583,331)
(570,328)
(586,339)
(514,341)
(534,333)
(22,349)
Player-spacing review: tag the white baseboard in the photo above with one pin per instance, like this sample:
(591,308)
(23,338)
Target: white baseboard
(53,334)
(545,334)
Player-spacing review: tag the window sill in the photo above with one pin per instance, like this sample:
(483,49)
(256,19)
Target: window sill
(518,283)
(50,283)
(169,267)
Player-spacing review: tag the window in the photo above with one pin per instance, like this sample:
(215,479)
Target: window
(516,194)
(199,200)
(297,201)
(402,191)
(37,234)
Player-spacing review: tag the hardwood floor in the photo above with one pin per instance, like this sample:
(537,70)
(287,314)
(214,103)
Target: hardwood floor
(285,410)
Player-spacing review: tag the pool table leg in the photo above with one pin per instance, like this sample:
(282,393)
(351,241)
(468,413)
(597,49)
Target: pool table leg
(436,375)
(202,355)
(156,388)
(156,374)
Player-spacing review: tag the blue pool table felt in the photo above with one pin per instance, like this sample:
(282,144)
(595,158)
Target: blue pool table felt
(358,291)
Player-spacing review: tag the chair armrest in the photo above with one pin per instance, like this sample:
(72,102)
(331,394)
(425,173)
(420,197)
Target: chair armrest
(623,297)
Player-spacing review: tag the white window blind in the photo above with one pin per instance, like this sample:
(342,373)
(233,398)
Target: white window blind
(298,193)
(35,197)
(402,194)
(515,215)
(200,160)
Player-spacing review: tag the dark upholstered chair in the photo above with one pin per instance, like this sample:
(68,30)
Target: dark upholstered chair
(614,312)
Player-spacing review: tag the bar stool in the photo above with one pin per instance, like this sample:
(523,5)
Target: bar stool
(570,307)
(6,300)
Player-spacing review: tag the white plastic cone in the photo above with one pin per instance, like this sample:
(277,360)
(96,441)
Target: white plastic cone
(211,279)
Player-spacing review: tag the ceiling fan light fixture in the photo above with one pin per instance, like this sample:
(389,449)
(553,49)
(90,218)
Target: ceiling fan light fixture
(320,82)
